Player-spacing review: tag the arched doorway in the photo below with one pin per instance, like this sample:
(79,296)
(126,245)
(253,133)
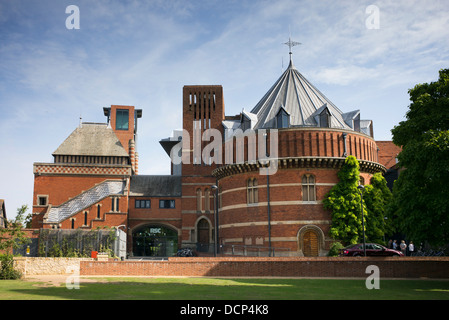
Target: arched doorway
(203,235)
(310,241)
(310,244)
(155,241)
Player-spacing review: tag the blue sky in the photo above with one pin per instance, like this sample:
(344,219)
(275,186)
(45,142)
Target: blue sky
(142,53)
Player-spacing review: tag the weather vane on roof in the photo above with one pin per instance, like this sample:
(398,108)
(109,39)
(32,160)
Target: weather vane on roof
(291,44)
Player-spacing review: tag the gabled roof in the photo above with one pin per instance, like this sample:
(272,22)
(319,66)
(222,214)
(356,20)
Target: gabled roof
(300,99)
(92,139)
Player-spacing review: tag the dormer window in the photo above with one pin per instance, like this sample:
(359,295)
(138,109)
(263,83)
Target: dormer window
(282,119)
(325,118)
(357,123)
(246,124)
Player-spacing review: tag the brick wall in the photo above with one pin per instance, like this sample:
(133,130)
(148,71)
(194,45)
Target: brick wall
(427,267)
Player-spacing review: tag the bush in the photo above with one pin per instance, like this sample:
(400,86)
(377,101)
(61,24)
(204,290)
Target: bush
(335,249)
(7,271)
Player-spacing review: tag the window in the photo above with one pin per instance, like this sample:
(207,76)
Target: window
(73,223)
(166,204)
(143,204)
(122,119)
(252,196)
(282,119)
(115,204)
(199,200)
(308,188)
(361,181)
(207,200)
(325,119)
(42,200)
(98,211)
(85,218)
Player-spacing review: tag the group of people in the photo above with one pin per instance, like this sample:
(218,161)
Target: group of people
(407,250)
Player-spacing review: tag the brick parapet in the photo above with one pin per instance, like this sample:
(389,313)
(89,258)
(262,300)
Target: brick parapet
(419,267)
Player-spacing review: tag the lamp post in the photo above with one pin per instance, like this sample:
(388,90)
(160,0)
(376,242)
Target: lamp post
(215,189)
(361,188)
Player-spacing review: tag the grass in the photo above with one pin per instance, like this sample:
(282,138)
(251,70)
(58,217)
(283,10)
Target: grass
(226,289)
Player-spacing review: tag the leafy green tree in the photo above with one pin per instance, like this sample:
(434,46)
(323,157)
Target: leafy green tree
(13,237)
(344,202)
(421,202)
(377,198)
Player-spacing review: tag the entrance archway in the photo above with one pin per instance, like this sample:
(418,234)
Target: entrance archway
(310,244)
(203,235)
(155,241)
(310,241)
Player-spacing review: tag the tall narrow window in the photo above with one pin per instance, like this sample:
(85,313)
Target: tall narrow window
(73,223)
(122,119)
(207,200)
(252,191)
(308,188)
(199,200)
(85,218)
(98,211)
(115,204)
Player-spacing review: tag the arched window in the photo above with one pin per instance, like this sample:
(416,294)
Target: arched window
(252,191)
(207,199)
(85,218)
(199,200)
(361,181)
(308,188)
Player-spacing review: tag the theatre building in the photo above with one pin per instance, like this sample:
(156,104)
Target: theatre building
(259,176)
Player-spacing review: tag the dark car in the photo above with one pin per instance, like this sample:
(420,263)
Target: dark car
(372,250)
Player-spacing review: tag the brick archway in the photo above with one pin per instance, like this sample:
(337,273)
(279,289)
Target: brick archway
(310,241)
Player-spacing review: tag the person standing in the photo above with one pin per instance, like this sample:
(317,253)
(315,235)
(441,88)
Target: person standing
(403,247)
(411,248)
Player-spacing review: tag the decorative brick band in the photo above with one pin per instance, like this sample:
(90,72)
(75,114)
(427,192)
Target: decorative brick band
(297,162)
(73,169)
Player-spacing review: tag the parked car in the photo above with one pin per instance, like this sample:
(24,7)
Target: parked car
(372,250)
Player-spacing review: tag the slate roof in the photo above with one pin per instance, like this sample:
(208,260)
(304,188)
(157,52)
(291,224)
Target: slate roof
(86,199)
(300,99)
(92,139)
(155,186)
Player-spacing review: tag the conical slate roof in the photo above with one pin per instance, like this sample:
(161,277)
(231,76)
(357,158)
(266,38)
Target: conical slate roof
(300,99)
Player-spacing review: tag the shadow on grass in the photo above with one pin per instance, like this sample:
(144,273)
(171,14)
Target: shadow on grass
(228,289)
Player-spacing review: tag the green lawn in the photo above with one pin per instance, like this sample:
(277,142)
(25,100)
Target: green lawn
(226,289)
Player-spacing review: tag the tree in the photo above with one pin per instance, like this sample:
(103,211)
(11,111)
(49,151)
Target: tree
(344,202)
(13,237)
(421,203)
(377,198)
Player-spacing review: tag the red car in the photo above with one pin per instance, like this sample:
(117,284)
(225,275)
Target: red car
(372,250)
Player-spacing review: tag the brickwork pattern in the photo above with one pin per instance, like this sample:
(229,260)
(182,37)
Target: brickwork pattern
(428,267)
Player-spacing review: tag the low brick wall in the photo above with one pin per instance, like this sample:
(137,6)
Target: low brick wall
(31,266)
(419,267)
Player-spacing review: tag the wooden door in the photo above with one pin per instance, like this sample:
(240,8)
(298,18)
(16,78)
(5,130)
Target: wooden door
(310,244)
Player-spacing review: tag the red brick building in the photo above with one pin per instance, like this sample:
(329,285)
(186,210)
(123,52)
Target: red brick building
(267,170)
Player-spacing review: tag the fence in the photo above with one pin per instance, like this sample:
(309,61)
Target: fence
(81,243)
